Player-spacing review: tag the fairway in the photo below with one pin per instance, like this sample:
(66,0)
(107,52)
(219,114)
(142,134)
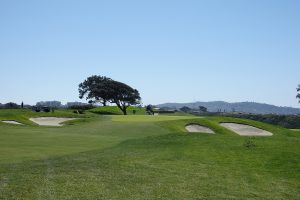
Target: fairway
(146,157)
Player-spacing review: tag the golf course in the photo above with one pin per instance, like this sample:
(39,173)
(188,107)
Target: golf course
(100,156)
(150,100)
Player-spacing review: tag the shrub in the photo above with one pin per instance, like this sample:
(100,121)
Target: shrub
(82,107)
(287,121)
(79,111)
(46,109)
(166,111)
(185,109)
(11,105)
(36,109)
(250,143)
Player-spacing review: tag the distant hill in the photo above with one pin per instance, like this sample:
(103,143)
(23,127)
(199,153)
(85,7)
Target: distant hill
(244,107)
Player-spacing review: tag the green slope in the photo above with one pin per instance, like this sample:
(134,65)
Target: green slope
(147,157)
(23,115)
(114,110)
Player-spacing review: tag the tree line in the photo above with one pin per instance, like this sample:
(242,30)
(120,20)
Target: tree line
(104,90)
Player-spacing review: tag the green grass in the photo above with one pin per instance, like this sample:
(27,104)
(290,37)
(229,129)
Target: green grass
(148,118)
(23,115)
(146,157)
(114,110)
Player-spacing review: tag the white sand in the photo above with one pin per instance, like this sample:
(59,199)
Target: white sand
(246,130)
(196,128)
(12,122)
(50,121)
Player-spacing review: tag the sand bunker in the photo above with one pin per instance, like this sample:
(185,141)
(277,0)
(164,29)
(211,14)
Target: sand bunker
(196,128)
(50,121)
(246,130)
(12,122)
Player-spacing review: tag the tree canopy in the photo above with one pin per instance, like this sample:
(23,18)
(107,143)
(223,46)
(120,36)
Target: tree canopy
(185,109)
(96,89)
(11,105)
(103,90)
(298,95)
(202,109)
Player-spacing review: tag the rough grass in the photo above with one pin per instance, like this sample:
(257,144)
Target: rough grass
(108,158)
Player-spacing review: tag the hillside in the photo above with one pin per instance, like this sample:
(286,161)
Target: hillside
(245,107)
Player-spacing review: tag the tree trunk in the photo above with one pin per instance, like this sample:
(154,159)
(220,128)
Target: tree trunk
(122,108)
(125,111)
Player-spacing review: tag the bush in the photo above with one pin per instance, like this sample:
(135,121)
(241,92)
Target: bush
(166,111)
(185,109)
(46,109)
(11,105)
(82,107)
(287,121)
(36,109)
(79,112)
(250,143)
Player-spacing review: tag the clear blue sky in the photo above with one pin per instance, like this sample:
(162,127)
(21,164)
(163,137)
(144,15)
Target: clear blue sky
(170,50)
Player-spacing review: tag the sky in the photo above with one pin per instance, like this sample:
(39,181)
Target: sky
(170,50)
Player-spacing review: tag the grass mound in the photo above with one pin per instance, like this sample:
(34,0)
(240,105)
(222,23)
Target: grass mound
(23,115)
(114,110)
